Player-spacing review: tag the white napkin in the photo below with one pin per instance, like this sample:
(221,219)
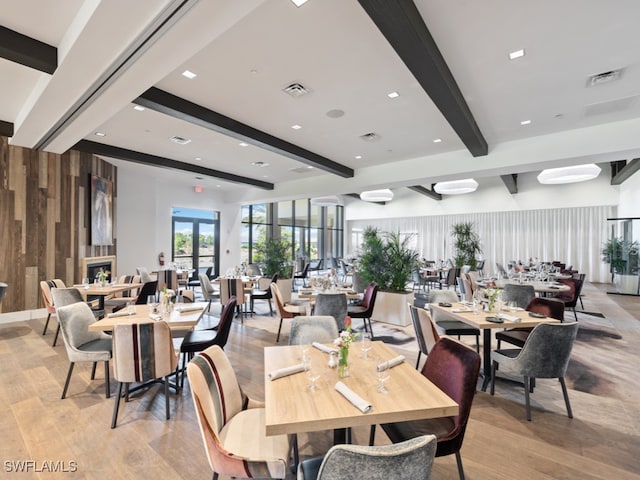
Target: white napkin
(187,308)
(355,399)
(122,313)
(461,310)
(157,318)
(283,372)
(390,363)
(324,348)
(510,318)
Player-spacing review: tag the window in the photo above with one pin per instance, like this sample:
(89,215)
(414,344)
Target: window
(196,239)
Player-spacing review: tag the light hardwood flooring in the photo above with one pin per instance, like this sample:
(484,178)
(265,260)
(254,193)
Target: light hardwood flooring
(601,442)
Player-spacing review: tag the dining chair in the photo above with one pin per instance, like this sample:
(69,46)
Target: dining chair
(122,298)
(303,275)
(253,270)
(334,304)
(548,306)
(3,290)
(192,284)
(199,340)
(425,330)
(81,344)
(447,324)
(545,354)
(454,369)
(208,292)
(45,288)
(408,460)
(142,353)
(233,287)
(233,425)
(571,297)
(285,310)
(521,294)
(144,274)
(315,328)
(263,294)
(364,309)
(148,289)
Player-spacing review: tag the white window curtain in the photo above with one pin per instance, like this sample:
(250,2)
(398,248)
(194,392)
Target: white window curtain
(573,236)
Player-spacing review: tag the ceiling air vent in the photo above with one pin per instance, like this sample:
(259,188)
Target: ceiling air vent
(370,137)
(296,90)
(604,77)
(180,140)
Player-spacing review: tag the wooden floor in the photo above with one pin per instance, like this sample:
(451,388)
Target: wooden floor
(601,442)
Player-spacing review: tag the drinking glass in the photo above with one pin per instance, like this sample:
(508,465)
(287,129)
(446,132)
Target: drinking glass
(85,283)
(152,303)
(382,376)
(313,373)
(513,306)
(365,345)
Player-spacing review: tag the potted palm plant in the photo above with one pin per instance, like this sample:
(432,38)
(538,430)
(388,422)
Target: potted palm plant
(622,256)
(466,245)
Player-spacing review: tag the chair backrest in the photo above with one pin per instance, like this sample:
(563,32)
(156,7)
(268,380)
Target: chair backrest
(468,289)
(546,352)
(551,307)
(369,298)
(408,460)
(207,289)
(144,274)
(45,288)
(231,287)
(334,304)
(75,319)
(277,298)
(521,294)
(149,288)
(454,368)
(426,333)
(501,271)
(437,296)
(304,272)
(316,328)
(253,270)
(570,298)
(128,279)
(224,325)
(143,351)
(66,296)
(217,398)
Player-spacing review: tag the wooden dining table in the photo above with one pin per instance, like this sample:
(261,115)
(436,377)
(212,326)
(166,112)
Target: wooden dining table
(538,286)
(465,314)
(291,407)
(97,290)
(177,320)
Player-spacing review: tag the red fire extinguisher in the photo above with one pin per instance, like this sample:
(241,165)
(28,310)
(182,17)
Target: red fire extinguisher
(161,259)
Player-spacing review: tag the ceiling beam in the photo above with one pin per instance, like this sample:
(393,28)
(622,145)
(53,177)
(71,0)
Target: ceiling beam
(165,102)
(511,182)
(626,172)
(6,129)
(154,161)
(27,51)
(402,25)
(426,192)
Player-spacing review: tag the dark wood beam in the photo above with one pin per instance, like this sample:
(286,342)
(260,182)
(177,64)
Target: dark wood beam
(622,174)
(402,25)
(511,182)
(357,195)
(27,51)
(6,129)
(177,107)
(426,192)
(154,161)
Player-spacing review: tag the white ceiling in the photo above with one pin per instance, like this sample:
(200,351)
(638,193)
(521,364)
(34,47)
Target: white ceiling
(244,53)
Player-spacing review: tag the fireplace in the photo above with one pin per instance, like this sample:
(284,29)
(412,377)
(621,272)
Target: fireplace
(90,266)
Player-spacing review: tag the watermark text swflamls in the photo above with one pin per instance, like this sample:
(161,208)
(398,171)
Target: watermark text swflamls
(48,466)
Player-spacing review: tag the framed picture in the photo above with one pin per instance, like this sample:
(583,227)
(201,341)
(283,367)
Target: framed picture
(101,209)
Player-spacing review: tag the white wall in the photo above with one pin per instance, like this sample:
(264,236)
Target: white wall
(630,197)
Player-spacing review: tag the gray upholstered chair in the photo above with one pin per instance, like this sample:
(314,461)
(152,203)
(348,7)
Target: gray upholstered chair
(81,344)
(208,292)
(334,304)
(545,355)
(3,289)
(232,424)
(286,310)
(316,328)
(425,329)
(45,288)
(521,294)
(446,324)
(144,274)
(408,460)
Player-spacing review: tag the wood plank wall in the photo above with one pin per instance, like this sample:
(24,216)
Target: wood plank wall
(44,219)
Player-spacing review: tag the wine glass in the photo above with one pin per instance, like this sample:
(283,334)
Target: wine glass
(313,373)
(382,376)
(85,283)
(152,304)
(365,345)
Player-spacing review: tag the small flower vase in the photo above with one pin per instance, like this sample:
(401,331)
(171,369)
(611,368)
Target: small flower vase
(492,302)
(103,281)
(343,362)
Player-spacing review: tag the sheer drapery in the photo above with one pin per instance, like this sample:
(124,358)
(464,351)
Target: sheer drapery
(571,235)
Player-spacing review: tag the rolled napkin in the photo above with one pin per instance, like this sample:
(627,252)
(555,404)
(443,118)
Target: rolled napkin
(187,308)
(461,310)
(510,318)
(122,313)
(283,372)
(390,363)
(355,399)
(157,318)
(324,348)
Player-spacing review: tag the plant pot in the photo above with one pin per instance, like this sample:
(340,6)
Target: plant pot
(626,283)
(391,307)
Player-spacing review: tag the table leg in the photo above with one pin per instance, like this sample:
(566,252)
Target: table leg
(486,357)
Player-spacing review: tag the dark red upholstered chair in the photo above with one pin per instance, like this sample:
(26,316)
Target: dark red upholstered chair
(571,297)
(453,368)
(364,309)
(551,307)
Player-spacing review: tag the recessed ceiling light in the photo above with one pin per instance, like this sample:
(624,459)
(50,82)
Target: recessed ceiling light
(260,164)
(437,140)
(516,54)
(218,186)
(576,173)
(358,157)
(296,127)
(243,144)
(525,122)
(298,3)
(393,95)
(456,187)
(198,159)
(100,134)
(189,74)
(139,108)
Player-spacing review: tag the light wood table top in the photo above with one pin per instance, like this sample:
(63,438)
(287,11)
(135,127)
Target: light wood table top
(539,287)
(109,289)
(311,293)
(292,408)
(176,320)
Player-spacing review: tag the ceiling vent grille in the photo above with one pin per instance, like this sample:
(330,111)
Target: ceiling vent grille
(604,77)
(370,137)
(296,90)
(180,140)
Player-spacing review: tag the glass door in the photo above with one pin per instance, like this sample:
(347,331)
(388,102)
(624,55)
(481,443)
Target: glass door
(196,240)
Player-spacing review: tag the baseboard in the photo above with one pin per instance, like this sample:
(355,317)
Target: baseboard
(22,316)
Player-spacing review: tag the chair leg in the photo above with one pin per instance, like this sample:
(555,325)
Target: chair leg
(477,343)
(184,370)
(418,360)
(270,307)
(279,328)
(494,365)
(166,396)
(46,324)
(93,370)
(296,455)
(527,401)
(372,435)
(114,419)
(215,475)
(55,339)
(459,462)
(566,397)
(66,383)
(575,314)
(107,379)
